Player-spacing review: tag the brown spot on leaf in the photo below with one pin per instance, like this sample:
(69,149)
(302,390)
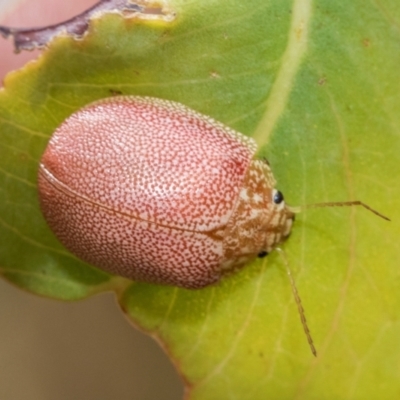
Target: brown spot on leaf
(366,43)
(115,92)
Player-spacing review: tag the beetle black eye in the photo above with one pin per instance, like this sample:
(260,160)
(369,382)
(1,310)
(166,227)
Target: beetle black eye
(262,254)
(278,197)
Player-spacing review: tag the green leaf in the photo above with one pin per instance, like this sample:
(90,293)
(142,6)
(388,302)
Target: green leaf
(317,84)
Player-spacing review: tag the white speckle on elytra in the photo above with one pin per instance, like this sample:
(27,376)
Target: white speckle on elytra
(244,195)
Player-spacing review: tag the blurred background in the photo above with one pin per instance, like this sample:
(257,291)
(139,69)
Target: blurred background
(51,350)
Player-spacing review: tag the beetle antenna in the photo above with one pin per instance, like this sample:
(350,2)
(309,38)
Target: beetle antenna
(298,302)
(339,204)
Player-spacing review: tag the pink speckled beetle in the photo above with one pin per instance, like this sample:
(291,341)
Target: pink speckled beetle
(153,191)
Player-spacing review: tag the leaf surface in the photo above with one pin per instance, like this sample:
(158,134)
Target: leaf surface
(316,83)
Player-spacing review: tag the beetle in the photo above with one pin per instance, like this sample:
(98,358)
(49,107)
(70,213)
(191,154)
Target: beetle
(153,191)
